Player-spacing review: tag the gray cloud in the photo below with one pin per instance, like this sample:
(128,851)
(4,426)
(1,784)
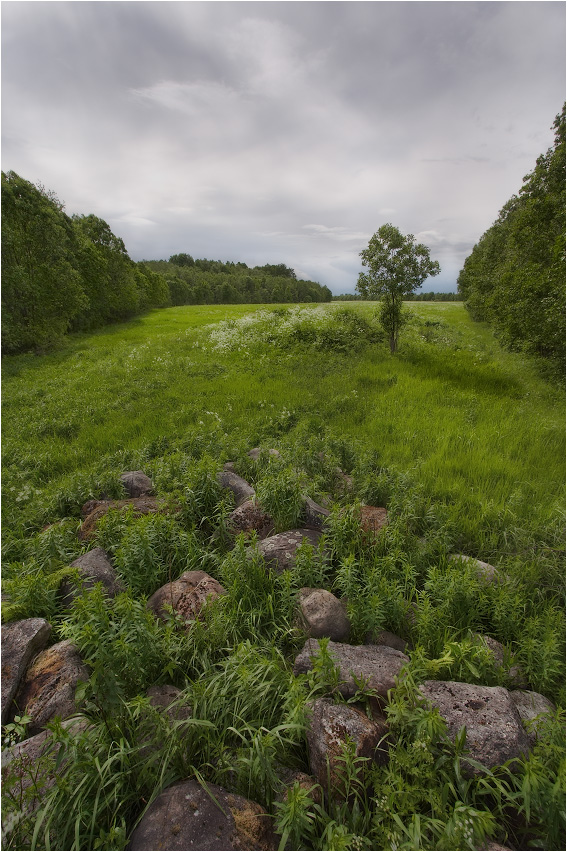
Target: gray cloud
(282,132)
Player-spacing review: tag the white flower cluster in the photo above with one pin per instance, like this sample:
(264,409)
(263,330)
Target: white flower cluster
(266,326)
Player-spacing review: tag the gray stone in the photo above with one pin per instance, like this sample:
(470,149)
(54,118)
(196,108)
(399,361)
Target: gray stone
(240,488)
(313,515)
(532,708)
(48,689)
(513,673)
(187,816)
(167,698)
(322,614)
(21,640)
(485,572)
(328,727)
(32,763)
(494,729)
(136,483)
(376,665)
(373,519)
(256,452)
(249,517)
(94,510)
(187,595)
(279,550)
(94,567)
(389,639)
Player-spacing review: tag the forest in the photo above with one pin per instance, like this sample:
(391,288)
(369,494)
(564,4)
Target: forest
(65,273)
(515,276)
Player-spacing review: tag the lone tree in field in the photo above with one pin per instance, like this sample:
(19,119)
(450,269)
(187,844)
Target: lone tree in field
(397,266)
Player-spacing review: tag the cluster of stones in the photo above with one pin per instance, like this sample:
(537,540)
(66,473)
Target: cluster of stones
(40,681)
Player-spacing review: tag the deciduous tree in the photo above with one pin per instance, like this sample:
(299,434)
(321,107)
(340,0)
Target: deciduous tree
(397,266)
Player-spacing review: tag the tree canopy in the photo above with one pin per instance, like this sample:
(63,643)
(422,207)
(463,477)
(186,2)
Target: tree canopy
(515,276)
(397,266)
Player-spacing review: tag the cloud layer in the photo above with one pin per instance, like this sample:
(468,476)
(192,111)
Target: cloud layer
(282,132)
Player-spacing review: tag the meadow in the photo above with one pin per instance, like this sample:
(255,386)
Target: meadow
(462,441)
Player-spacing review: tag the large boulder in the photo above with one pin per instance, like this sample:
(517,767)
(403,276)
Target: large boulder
(257,451)
(495,733)
(188,816)
(373,519)
(94,510)
(313,515)
(168,700)
(94,567)
(250,518)
(497,650)
(48,689)
(377,666)
(21,641)
(136,483)
(32,763)
(328,727)
(384,637)
(532,708)
(322,614)
(486,573)
(240,488)
(279,550)
(187,595)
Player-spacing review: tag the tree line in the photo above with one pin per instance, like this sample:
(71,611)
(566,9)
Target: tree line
(65,273)
(410,297)
(199,281)
(515,276)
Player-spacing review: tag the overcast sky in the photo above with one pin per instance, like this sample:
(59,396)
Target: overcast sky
(282,132)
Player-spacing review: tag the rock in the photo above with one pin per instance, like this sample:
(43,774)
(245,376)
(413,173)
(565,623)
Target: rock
(494,729)
(167,698)
(240,488)
(322,614)
(309,783)
(255,453)
(531,707)
(279,550)
(30,763)
(230,466)
(94,567)
(136,483)
(328,727)
(372,519)
(389,639)
(313,515)
(48,689)
(377,665)
(98,508)
(187,595)
(186,816)
(498,651)
(484,571)
(21,640)
(249,517)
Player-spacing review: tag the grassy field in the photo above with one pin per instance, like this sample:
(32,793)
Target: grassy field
(462,441)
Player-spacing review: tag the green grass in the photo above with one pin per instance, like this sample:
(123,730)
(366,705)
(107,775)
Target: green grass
(464,444)
(475,425)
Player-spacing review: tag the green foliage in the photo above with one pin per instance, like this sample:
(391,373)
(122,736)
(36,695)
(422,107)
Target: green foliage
(515,276)
(41,288)
(397,266)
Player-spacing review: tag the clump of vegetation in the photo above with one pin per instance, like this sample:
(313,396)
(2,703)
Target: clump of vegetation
(515,276)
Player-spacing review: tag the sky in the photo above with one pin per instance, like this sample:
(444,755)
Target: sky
(270,132)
